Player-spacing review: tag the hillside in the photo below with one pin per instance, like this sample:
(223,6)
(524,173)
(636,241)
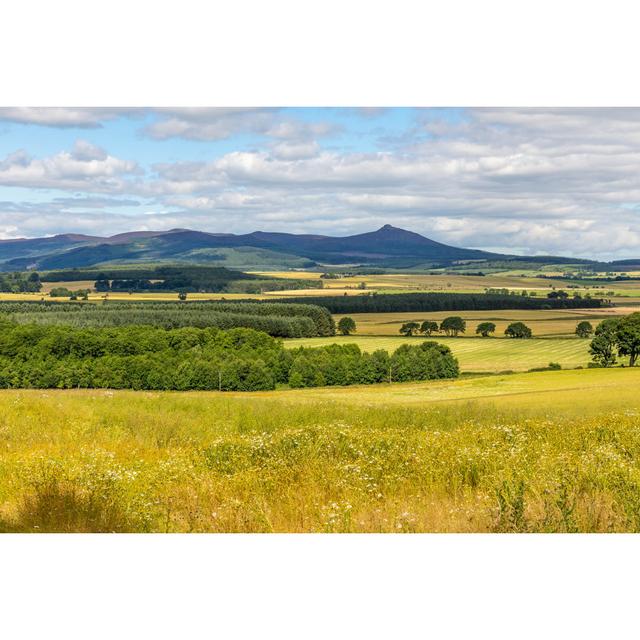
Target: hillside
(388,246)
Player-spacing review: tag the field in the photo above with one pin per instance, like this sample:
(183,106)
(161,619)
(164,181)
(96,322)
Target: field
(538,452)
(453,283)
(480,354)
(559,322)
(387,283)
(493,451)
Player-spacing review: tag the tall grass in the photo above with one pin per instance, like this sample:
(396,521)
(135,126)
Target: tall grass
(124,461)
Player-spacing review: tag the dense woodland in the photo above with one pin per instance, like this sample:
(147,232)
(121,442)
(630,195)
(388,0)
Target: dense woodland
(37,356)
(281,320)
(384,303)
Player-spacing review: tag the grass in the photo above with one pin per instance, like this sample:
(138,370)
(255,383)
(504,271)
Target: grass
(479,354)
(552,451)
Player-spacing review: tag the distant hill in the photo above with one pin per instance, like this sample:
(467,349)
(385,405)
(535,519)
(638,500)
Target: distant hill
(387,247)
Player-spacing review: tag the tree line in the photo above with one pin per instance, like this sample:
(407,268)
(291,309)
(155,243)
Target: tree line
(17,282)
(187,278)
(454,325)
(286,321)
(385,303)
(137,357)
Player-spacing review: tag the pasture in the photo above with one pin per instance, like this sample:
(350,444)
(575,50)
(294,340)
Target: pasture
(537,452)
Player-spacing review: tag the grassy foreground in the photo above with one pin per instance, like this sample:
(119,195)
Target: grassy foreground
(551,451)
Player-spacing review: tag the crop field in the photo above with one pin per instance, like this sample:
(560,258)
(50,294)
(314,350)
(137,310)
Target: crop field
(537,452)
(383,283)
(559,322)
(479,354)
(406,282)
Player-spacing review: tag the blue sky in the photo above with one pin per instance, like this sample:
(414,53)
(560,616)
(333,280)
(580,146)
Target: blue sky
(560,181)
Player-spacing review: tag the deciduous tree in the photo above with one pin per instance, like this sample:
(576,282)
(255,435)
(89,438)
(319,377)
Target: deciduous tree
(485,328)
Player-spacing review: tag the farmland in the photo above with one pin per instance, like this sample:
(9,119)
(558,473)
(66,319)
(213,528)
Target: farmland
(499,449)
(538,452)
(558,322)
(452,282)
(480,354)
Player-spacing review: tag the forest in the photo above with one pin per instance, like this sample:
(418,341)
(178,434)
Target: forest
(37,356)
(281,320)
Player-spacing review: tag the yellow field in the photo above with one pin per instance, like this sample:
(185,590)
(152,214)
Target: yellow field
(406,282)
(537,452)
(98,297)
(72,286)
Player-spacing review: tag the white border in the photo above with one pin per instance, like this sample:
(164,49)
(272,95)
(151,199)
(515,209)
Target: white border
(407,52)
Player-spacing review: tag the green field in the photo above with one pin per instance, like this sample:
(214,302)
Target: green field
(479,354)
(537,452)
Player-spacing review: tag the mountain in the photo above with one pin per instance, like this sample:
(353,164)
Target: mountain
(388,246)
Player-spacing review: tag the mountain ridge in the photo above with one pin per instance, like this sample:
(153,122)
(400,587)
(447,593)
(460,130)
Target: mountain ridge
(386,246)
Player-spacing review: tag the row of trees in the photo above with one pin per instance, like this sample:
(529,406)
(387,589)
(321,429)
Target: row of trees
(454,325)
(614,338)
(399,302)
(131,357)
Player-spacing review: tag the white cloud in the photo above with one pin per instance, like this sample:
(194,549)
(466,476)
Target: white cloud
(86,167)
(63,117)
(556,180)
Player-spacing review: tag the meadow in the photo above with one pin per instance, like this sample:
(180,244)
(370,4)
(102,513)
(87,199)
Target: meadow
(539,452)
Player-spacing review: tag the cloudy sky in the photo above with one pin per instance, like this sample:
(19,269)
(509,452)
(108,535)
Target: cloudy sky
(559,181)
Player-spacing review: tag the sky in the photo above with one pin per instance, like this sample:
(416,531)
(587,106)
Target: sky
(561,181)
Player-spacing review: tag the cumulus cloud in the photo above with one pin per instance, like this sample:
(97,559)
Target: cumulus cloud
(87,168)
(533,180)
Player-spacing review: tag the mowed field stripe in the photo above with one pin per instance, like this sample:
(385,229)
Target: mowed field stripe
(479,354)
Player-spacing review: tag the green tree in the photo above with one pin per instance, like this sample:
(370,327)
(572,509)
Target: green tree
(182,295)
(628,337)
(453,325)
(485,328)
(60,292)
(102,283)
(603,345)
(584,329)
(409,328)
(517,330)
(428,327)
(346,326)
